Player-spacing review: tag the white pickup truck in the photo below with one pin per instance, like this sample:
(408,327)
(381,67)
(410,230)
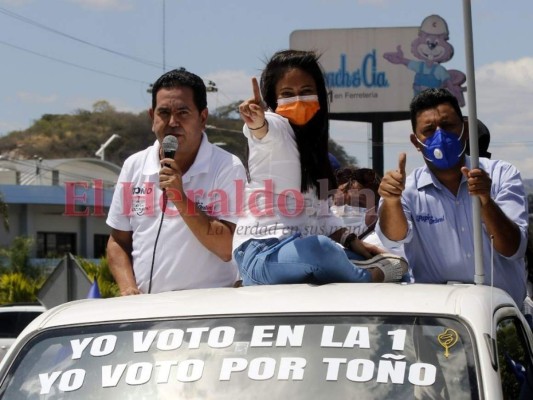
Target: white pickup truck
(335,341)
(13,319)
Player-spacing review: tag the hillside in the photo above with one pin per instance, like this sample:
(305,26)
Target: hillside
(81,134)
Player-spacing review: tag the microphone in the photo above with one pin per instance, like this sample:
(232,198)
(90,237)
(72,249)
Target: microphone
(170,146)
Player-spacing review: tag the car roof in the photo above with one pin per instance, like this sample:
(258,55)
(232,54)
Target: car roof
(22,307)
(472,302)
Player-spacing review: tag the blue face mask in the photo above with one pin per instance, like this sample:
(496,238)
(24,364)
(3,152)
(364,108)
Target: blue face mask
(443,149)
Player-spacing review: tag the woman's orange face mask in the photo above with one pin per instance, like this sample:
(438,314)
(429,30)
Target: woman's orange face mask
(299,109)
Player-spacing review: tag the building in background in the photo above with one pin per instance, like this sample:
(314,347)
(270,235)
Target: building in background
(61,204)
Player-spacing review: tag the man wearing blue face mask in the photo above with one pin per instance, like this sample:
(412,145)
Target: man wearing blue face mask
(430,211)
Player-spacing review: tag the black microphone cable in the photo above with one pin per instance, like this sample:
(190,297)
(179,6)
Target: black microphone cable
(163,208)
(169,146)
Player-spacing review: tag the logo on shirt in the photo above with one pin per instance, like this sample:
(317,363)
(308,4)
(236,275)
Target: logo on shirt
(139,206)
(141,190)
(430,219)
(138,199)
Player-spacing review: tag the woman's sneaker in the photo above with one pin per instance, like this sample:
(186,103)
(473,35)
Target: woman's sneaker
(393,267)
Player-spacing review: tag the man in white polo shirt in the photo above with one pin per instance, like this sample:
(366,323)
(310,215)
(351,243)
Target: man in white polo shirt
(173,219)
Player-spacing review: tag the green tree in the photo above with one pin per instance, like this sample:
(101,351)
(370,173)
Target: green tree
(103,106)
(102,273)
(19,281)
(16,287)
(18,254)
(340,154)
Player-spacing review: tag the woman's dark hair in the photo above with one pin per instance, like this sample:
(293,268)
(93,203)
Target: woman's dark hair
(311,138)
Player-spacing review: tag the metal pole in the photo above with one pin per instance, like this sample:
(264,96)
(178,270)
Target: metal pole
(377,147)
(70,277)
(164,37)
(473,138)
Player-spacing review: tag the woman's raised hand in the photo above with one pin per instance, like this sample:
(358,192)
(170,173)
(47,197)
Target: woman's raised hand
(253,110)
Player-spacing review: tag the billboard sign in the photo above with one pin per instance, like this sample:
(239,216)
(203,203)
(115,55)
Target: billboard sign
(376,70)
(359,79)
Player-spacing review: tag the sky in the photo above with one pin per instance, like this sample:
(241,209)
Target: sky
(59,56)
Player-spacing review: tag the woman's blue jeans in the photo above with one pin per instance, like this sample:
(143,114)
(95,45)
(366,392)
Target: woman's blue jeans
(313,259)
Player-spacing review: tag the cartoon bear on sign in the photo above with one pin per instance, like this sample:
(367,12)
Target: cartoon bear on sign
(432,48)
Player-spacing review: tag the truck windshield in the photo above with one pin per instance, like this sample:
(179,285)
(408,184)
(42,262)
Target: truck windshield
(253,357)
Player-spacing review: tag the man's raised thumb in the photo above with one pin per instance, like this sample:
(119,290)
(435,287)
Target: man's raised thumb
(402,160)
